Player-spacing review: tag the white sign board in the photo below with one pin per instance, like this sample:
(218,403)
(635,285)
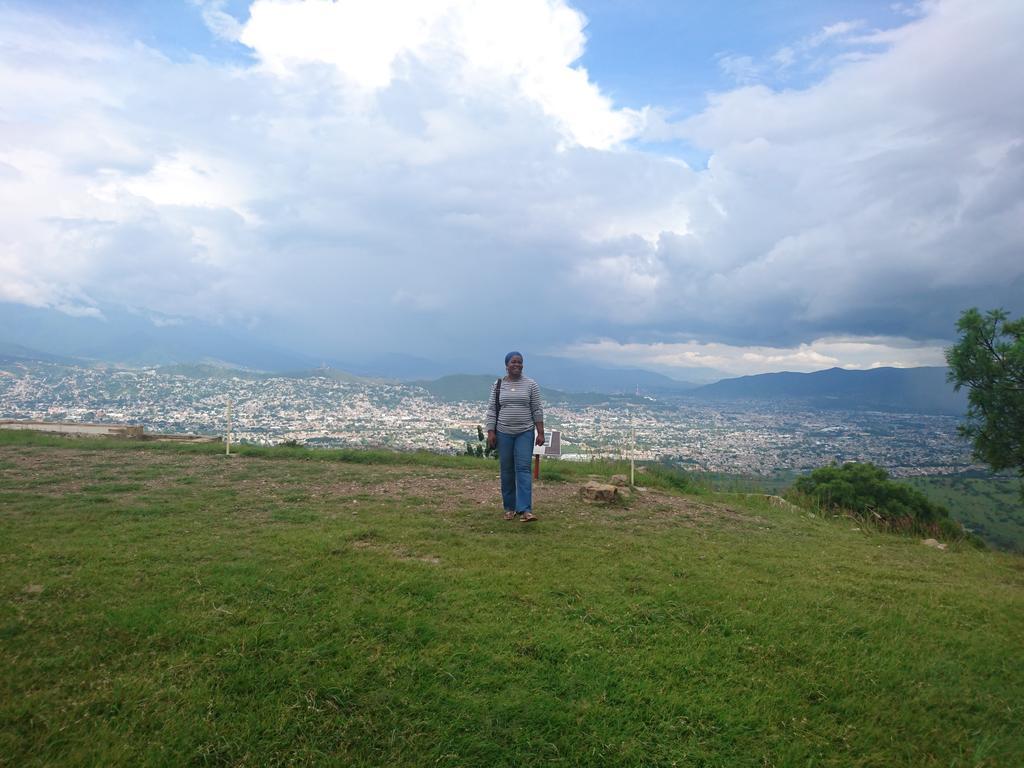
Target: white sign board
(552,444)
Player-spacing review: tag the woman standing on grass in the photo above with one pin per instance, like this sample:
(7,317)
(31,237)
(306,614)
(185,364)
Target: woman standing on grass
(513,412)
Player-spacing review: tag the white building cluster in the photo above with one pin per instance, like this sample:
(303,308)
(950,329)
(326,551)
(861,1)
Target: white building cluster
(322,410)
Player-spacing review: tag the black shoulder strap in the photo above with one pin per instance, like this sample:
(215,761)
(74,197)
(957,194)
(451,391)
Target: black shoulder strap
(497,400)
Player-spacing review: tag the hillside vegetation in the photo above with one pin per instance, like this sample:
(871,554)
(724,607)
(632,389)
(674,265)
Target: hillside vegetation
(867,491)
(988,505)
(168,605)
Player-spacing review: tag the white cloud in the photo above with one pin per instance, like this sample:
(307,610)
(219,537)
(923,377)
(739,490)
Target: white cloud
(737,360)
(219,21)
(861,203)
(784,57)
(913,9)
(829,46)
(742,69)
(452,160)
(186,179)
(531,45)
(839,29)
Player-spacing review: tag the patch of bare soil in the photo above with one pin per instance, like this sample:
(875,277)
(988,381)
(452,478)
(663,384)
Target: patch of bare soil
(442,490)
(451,493)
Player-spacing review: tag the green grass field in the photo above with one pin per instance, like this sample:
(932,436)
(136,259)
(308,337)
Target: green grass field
(167,605)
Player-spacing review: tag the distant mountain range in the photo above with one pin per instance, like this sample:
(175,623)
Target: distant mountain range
(476,388)
(903,390)
(574,376)
(132,339)
(909,390)
(557,372)
(208,371)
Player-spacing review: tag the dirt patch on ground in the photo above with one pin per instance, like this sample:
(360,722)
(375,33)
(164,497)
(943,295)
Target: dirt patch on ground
(329,485)
(444,492)
(479,489)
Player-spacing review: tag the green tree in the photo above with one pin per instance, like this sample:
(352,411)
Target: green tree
(988,359)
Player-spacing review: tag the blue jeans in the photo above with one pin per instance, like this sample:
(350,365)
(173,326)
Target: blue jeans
(514,454)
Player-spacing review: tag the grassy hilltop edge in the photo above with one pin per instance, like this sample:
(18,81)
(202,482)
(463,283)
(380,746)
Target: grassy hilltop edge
(164,604)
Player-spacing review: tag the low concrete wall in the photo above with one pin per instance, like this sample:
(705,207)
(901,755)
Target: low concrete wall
(75,428)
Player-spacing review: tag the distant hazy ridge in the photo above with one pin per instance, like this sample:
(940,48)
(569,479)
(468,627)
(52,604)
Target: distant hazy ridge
(914,390)
(135,340)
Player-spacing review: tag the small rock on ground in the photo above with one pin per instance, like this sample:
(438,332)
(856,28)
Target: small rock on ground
(594,491)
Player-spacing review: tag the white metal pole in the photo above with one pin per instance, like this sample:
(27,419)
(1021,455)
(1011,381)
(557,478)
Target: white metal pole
(227,444)
(632,453)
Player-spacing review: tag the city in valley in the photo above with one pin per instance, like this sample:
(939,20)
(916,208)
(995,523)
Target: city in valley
(337,411)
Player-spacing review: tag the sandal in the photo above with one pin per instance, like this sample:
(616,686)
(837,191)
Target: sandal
(528,517)
(510,515)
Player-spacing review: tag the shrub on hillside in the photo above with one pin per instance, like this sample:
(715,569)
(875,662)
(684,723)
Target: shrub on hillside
(867,491)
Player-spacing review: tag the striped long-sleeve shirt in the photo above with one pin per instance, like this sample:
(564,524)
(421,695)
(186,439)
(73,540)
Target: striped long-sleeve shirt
(521,406)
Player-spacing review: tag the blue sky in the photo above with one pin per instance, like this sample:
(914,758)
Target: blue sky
(675,185)
(648,52)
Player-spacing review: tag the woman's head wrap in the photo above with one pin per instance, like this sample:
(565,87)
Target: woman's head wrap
(510,355)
